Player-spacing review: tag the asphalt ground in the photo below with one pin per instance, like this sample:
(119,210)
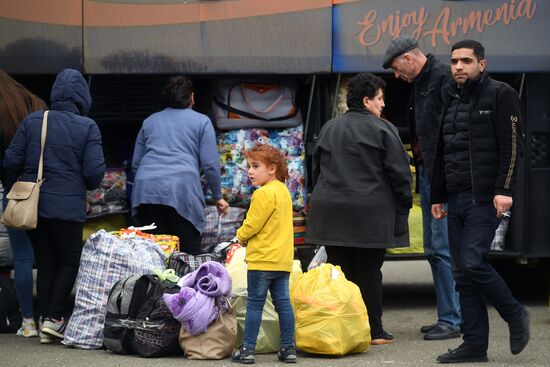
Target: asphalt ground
(409,303)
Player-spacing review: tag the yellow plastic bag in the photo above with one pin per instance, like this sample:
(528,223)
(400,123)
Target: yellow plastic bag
(331,317)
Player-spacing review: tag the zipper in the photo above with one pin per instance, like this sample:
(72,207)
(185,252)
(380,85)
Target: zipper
(470,151)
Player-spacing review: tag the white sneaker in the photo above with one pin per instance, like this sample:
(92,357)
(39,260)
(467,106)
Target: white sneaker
(53,328)
(27,329)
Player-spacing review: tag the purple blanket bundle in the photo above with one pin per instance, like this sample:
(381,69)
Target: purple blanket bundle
(195,305)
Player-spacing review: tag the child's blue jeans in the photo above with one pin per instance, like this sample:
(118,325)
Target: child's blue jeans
(259,282)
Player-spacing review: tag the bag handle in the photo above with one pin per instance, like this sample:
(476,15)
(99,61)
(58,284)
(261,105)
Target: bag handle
(42,143)
(228,108)
(268,109)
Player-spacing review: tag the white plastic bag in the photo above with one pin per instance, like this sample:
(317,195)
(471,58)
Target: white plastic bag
(319,258)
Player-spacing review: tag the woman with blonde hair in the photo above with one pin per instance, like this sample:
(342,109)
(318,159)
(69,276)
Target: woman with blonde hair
(16,102)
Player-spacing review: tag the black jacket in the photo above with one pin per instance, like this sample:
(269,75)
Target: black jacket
(456,152)
(362,179)
(494,140)
(425,105)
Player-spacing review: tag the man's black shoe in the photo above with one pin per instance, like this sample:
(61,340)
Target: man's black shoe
(519,332)
(426,328)
(441,332)
(463,354)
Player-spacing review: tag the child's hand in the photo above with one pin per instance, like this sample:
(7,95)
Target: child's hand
(236,240)
(222,206)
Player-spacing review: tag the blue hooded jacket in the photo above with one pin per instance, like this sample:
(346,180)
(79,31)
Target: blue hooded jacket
(73,153)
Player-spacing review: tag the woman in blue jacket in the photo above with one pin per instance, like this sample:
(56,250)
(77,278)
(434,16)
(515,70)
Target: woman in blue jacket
(73,163)
(172,148)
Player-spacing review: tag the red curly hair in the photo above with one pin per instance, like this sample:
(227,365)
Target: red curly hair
(269,155)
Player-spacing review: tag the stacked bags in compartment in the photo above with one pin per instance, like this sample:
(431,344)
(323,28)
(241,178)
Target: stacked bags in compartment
(236,186)
(105,260)
(107,206)
(331,317)
(110,197)
(262,111)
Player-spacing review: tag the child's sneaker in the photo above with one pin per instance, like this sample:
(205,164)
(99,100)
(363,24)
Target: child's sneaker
(53,328)
(287,354)
(243,355)
(27,329)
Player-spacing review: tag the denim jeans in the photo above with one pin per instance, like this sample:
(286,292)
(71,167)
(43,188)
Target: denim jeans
(259,282)
(22,264)
(436,249)
(471,230)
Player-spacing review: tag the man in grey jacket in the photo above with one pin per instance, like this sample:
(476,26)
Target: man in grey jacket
(428,75)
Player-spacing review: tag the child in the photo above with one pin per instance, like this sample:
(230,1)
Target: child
(270,251)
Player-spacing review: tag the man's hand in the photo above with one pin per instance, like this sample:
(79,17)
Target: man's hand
(222,206)
(438,211)
(502,203)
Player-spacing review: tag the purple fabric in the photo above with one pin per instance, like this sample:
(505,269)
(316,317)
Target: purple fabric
(195,305)
(211,279)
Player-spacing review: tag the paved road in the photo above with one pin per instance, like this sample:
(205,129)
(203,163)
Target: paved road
(409,303)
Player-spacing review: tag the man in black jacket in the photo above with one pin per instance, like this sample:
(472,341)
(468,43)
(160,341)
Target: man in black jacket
(428,75)
(474,172)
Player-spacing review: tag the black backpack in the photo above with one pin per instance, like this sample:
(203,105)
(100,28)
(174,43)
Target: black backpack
(10,316)
(138,321)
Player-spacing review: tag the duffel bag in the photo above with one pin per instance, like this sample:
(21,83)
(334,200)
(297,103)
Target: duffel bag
(184,263)
(247,104)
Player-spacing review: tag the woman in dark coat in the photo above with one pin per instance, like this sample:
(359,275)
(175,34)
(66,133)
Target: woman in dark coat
(362,193)
(73,163)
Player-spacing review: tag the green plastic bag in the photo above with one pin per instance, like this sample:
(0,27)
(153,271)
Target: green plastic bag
(269,335)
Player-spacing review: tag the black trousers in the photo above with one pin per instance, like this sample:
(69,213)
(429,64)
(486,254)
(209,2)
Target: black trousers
(168,221)
(363,267)
(57,248)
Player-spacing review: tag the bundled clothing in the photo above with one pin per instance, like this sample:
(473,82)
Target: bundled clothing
(196,306)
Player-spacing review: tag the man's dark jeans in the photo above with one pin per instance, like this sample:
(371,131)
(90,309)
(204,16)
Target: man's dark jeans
(471,230)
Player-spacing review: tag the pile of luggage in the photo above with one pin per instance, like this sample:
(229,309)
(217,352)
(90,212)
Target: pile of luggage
(132,298)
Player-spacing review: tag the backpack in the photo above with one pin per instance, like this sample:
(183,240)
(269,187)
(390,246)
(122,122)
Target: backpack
(138,321)
(10,317)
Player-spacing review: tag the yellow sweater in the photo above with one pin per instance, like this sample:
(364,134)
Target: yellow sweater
(268,229)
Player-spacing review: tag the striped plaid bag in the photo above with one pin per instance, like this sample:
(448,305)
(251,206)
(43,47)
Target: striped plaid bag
(105,260)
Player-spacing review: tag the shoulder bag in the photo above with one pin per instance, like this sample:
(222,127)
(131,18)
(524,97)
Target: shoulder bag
(22,209)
